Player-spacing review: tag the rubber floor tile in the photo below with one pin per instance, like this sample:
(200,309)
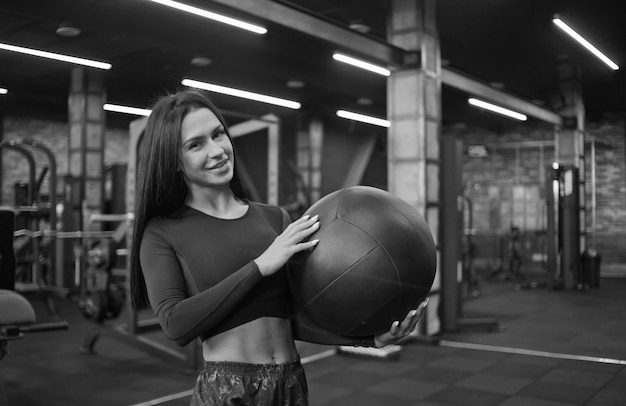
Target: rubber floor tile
(532,360)
(529,401)
(618,384)
(483,355)
(608,397)
(559,392)
(501,384)
(344,378)
(454,396)
(443,376)
(424,353)
(406,388)
(367,399)
(462,364)
(382,368)
(324,394)
(320,368)
(518,369)
(577,377)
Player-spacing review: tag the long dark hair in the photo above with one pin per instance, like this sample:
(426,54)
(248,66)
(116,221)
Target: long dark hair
(161,187)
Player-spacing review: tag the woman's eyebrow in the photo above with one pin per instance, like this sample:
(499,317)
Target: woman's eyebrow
(217,129)
(213,132)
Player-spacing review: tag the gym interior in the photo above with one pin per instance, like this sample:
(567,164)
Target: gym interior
(526,204)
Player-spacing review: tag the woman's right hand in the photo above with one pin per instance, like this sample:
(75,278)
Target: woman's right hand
(288,243)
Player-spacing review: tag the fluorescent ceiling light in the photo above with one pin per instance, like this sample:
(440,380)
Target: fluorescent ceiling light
(241,93)
(559,23)
(363,118)
(58,57)
(497,109)
(212,16)
(361,64)
(3,90)
(125,109)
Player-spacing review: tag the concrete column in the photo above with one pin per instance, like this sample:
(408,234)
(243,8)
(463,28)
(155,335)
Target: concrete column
(1,154)
(86,142)
(414,110)
(309,158)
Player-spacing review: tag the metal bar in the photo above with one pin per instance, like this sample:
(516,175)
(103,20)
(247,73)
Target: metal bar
(317,27)
(270,123)
(273,162)
(364,149)
(110,217)
(593,191)
(63,234)
(268,118)
(448,236)
(542,143)
(49,326)
(52,199)
(475,87)
(522,351)
(517,166)
(250,126)
(247,182)
(15,145)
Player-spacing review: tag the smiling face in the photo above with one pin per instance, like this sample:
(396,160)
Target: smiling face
(207,152)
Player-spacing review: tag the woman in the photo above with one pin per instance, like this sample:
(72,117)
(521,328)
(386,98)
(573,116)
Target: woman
(211,263)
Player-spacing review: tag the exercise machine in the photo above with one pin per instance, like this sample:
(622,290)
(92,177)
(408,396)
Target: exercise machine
(17,316)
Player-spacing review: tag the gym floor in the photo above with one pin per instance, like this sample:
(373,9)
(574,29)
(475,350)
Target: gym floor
(555,348)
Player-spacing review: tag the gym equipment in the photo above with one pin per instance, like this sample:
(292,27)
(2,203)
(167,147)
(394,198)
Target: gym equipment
(563,201)
(17,316)
(35,270)
(101,297)
(470,283)
(375,261)
(35,210)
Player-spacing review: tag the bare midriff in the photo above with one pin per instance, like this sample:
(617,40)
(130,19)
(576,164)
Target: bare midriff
(267,340)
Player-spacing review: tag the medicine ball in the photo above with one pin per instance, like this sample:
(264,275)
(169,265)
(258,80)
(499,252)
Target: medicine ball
(375,261)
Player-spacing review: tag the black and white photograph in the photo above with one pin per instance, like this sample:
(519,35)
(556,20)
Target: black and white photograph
(312,203)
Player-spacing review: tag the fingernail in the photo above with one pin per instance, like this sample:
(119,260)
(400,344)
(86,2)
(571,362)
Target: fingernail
(413,313)
(426,301)
(315,241)
(395,324)
(306,216)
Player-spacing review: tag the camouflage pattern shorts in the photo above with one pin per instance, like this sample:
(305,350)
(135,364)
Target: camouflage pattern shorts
(237,383)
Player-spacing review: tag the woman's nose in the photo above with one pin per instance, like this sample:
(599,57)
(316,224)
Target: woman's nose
(214,150)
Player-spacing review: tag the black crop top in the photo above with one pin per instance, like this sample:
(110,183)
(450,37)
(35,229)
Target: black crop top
(202,279)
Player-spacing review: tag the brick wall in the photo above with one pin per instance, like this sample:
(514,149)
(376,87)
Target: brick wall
(54,136)
(610,231)
(508,187)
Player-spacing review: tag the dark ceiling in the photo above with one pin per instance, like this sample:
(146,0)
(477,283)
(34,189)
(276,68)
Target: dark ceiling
(509,43)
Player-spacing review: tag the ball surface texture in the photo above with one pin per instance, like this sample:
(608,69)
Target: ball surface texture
(375,261)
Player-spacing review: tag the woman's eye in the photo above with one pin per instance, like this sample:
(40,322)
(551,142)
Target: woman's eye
(219,134)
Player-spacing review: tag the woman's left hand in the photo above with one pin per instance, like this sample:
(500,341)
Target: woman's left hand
(399,330)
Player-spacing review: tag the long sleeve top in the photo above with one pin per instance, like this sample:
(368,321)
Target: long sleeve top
(202,279)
